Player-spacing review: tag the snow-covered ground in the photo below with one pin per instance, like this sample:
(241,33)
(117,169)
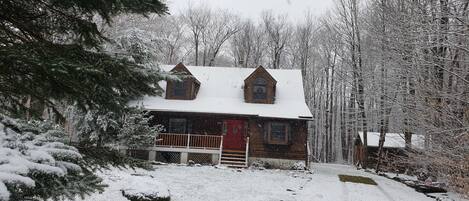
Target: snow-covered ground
(207,183)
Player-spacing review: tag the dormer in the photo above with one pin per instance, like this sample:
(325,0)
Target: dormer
(259,87)
(185,89)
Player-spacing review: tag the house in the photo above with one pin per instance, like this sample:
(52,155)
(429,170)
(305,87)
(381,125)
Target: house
(395,150)
(231,116)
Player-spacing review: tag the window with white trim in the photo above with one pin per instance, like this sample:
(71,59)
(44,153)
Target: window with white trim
(278,133)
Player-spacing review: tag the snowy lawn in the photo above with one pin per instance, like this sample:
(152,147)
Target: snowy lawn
(207,183)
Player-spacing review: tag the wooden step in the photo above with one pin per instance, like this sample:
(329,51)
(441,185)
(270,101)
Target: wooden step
(234,151)
(233,162)
(234,155)
(223,158)
(237,166)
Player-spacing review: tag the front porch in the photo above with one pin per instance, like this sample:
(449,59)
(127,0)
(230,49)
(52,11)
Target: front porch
(181,148)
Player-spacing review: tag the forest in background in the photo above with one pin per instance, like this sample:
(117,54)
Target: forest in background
(396,66)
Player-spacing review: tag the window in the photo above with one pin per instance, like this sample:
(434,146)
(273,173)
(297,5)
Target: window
(260,89)
(177,125)
(179,88)
(224,128)
(278,133)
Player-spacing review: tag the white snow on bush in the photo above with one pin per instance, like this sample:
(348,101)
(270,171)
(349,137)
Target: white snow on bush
(119,180)
(141,186)
(25,153)
(299,166)
(4,194)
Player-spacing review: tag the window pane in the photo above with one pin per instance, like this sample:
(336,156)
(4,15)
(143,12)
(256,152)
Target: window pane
(260,92)
(278,131)
(260,81)
(177,126)
(179,89)
(260,89)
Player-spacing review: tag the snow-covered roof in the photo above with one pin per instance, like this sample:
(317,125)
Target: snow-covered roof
(393,140)
(221,92)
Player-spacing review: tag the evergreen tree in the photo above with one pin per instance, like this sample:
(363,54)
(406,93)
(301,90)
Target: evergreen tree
(95,128)
(35,164)
(136,131)
(131,128)
(50,50)
(51,53)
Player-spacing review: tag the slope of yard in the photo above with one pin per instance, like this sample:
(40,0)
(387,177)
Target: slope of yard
(223,184)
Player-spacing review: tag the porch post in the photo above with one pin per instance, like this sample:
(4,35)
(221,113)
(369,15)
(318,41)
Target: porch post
(188,140)
(184,156)
(151,155)
(215,159)
(123,150)
(221,150)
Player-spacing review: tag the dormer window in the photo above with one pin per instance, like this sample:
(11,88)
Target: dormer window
(179,89)
(259,89)
(184,89)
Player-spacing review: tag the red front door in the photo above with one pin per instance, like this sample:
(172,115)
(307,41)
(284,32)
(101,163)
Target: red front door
(233,134)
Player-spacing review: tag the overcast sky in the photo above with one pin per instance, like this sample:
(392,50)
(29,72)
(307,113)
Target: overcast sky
(252,8)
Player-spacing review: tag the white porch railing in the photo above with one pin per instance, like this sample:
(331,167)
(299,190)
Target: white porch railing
(189,141)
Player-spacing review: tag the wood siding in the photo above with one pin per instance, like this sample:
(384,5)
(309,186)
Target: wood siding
(294,150)
(393,159)
(202,125)
(191,90)
(260,72)
(211,124)
(191,83)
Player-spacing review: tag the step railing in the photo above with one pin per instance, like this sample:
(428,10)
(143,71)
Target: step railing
(221,150)
(189,141)
(247,150)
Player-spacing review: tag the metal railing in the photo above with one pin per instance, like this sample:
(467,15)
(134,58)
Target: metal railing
(189,141)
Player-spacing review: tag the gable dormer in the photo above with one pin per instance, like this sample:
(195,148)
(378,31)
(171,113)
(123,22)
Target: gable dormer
(259,87)
(185,89)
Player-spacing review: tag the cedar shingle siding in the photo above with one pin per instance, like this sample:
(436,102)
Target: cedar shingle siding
(250,82)
(191,85)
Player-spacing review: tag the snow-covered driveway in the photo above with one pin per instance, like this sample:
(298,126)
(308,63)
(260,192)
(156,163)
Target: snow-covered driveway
(328,187)
(212,184)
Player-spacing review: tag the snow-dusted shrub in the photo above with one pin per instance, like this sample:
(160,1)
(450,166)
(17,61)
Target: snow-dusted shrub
(141,188)
(260,165)
(130,128)
(34,163)
(106,157)
(135,131)
(300,165)
(96,127)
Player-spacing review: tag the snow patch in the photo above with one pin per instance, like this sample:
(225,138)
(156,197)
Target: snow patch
(145,187)
(393,140)
(4,193)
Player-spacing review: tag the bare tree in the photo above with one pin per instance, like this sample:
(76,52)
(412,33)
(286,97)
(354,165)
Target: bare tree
(197,19)
(278,32)
(170,39)
(221,28)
